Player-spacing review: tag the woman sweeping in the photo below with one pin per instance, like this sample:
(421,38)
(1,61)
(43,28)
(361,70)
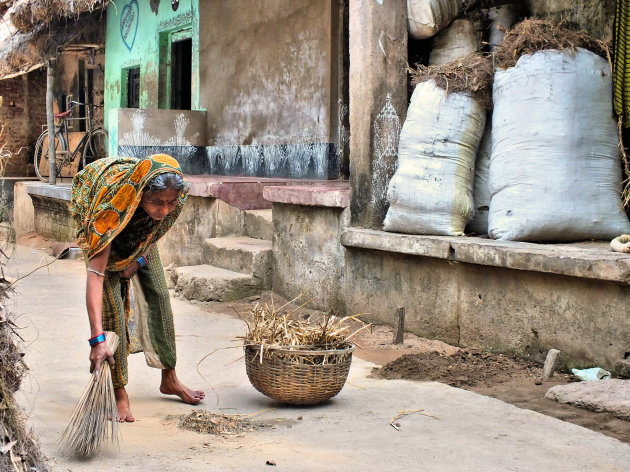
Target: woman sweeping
(121,207)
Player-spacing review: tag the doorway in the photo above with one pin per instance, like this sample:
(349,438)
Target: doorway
(181,74)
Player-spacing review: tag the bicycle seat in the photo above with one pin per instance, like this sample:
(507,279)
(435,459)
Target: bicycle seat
(65,114)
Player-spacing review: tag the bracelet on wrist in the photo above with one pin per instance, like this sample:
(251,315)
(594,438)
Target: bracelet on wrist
(97,340)
(142,261)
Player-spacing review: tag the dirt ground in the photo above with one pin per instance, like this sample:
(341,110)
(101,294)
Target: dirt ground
(504,377)
(507,378)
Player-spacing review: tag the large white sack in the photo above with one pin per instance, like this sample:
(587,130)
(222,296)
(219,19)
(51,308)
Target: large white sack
(555,171)
(458,40)
(428,17)
(481,192)
(431,190)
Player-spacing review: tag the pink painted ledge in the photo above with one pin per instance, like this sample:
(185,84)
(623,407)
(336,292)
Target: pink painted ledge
(245,193)
(334,194)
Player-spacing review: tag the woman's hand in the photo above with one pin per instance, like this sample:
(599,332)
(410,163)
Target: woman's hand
(130,270)
(98,354)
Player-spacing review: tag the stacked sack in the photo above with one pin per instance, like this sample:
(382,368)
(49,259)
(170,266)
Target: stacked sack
(431,190)
(548,167)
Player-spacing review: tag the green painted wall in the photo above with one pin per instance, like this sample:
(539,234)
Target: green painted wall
(138,35)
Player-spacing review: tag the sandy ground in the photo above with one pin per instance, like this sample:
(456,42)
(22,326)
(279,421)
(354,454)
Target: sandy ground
(460,431)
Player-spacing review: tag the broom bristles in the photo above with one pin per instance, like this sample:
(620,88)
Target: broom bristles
(93,421)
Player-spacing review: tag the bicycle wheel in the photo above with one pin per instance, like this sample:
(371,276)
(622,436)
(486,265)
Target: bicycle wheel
(95,146)
(42,164)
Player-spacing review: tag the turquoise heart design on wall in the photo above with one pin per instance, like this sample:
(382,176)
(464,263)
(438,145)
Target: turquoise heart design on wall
(129,23)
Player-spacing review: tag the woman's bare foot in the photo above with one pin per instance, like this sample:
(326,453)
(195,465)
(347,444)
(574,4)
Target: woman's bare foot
(122,403)
(172,386)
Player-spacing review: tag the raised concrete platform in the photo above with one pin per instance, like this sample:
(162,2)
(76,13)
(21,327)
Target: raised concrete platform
(206,283)
(245,193)
(330,194)
(591,260)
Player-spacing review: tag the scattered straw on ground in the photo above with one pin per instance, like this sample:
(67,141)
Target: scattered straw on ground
(532,35)
(472,74)
(202,421)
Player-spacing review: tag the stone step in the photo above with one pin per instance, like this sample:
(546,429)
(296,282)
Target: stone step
(258,224)
(241,254)
(206,283)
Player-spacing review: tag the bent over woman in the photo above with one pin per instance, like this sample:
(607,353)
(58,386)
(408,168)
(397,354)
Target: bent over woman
(121,207)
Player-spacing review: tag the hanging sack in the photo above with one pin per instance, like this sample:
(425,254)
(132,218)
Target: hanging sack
(426,18)
(460,39)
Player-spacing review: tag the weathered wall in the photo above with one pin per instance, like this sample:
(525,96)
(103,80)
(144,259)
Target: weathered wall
(268,70)
(201,218)
(133,35)
(22,111)
(489,307)
(138,132)
(594,16)
(307,255)
(53,219)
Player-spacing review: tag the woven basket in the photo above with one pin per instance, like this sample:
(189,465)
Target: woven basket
(298,375)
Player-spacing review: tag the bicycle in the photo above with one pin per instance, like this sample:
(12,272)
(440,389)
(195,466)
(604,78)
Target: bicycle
(92,146)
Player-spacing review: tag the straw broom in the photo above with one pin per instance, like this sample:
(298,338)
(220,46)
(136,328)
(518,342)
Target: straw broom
(93,421)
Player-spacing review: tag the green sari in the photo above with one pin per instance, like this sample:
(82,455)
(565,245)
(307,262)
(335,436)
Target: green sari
(105,207)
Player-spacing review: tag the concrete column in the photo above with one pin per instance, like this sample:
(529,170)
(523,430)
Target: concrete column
(378,103)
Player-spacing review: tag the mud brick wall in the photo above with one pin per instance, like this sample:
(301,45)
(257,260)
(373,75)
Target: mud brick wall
(53,218)
(22,113)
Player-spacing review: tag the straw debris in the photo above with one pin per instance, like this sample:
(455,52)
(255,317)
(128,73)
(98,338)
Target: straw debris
(532,35)
(202,421)
(286,331)
(471,74)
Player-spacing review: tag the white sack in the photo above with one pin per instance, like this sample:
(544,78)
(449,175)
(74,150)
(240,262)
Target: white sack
(458,40)
(431,191)
(428,17)
(555,171)
(481,192)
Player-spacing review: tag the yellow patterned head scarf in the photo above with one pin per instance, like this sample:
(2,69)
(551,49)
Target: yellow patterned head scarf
(105,196)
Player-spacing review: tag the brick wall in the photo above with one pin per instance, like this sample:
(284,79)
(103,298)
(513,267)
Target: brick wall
(22,113)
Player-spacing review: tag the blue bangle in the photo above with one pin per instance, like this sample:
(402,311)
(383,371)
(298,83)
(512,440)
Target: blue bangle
(97,340)
(142,261)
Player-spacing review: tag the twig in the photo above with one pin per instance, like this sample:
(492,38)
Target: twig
(420,411)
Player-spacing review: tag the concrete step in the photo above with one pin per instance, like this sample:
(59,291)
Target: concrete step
(241,254)
(206,283)
(258,224)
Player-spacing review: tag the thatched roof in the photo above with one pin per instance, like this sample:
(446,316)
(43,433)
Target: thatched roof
(32,31)
(29,14)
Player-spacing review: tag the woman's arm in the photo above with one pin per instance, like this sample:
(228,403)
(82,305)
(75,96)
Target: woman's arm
(94,303)
(131,270)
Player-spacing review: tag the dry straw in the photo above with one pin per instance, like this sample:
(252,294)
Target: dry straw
(93,421)
(284,331)
(471,74)
(532,35)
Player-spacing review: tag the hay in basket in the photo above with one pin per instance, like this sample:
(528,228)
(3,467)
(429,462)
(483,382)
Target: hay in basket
(93,421)
(294,359)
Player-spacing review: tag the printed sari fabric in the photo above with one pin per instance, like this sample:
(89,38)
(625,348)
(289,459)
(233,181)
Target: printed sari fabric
(621,62)
(142,317)
(105,196)
(105,207)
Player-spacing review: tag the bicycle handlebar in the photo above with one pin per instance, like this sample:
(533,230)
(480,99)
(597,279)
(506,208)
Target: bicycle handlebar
(80,103)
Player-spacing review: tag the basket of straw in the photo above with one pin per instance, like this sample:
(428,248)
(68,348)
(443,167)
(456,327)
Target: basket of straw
(296,361)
